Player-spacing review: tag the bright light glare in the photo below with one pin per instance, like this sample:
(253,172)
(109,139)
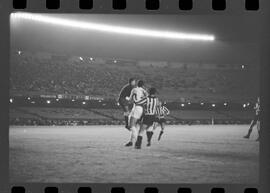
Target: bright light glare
(112,28)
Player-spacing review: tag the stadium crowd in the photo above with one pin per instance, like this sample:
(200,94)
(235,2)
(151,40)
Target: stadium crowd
(30,74)
(47,76)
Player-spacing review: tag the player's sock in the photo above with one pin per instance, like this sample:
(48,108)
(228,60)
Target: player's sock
(149,135)
(126,120)
(138,143)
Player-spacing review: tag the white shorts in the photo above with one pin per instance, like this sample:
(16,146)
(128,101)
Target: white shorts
(137,112)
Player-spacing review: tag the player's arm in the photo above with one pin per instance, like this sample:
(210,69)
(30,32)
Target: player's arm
(256,106)
(158,106)
(121,92)
(132,95)
(145,93)
(167,111)
(142,101)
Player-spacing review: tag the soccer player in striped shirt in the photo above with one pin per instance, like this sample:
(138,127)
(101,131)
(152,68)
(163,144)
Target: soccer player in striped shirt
(256,120)
(150,111)
(162,111)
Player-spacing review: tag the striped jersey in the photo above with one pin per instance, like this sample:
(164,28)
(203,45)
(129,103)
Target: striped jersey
(162,111)
(151,103)
(137,95)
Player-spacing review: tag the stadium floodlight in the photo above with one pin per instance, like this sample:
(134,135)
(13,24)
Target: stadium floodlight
(48,102)
(112,28)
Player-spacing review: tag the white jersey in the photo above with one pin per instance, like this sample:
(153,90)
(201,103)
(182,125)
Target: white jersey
(138,94)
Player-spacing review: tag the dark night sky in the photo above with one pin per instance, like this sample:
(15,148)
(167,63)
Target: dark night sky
(236,38)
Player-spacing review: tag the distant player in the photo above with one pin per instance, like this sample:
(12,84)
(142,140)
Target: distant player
(162,111)
(137,95)
(256,120)
(124,100)
(151,104)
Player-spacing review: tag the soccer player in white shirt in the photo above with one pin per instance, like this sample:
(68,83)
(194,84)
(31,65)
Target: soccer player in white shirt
(137,95)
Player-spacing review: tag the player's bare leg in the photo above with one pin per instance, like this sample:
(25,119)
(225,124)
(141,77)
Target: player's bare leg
(155,125)
(134,132)
(253,123)
(126,116)
(162,130)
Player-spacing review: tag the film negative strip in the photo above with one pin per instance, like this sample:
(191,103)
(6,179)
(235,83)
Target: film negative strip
(145,96)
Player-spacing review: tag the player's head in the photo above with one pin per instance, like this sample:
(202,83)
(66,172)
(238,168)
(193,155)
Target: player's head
(164,103)
(132,81)
(152,91)
(140,83)
(258,99)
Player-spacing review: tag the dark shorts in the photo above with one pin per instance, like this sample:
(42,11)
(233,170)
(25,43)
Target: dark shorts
(148,120)
(256,117)
(160,120)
